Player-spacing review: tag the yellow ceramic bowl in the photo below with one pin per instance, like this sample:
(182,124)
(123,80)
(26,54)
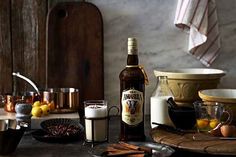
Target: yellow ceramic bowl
(185,83)
(224,96)
(218,95)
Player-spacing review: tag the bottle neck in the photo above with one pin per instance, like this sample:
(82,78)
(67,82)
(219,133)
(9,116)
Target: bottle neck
(163,80)
(132,60)
(162,88)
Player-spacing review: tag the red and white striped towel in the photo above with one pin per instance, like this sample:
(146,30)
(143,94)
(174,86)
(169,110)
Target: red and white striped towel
(199,18)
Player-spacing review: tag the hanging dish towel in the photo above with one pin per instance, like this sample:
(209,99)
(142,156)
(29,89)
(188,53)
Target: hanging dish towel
(199,18)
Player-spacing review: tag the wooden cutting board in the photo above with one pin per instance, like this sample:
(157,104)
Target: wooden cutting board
(202,144)
(75,49)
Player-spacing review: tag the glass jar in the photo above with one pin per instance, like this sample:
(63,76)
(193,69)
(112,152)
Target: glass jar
(158,102)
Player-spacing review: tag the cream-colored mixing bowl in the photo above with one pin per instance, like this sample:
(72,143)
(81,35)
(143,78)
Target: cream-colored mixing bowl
(185,83)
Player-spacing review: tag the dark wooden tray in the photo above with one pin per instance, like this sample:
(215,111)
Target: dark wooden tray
(202,144)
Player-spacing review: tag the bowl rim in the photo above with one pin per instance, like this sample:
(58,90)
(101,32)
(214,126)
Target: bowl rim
(198,73)
(206,97)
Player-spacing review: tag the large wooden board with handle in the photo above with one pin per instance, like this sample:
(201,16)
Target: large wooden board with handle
(195,142)
(75,49)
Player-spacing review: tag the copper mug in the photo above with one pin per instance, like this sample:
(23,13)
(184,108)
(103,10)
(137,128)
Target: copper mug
(10,101)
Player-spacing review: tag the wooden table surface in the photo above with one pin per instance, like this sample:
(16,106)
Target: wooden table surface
(204,144)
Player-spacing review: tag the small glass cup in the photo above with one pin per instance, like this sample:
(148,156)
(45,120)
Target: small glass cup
(96,120)
(210,114)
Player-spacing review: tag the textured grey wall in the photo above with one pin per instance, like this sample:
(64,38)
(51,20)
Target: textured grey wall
(161,44)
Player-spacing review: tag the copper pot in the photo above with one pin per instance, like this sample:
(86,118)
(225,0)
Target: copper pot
(65,99)
(30,97)
(9,101)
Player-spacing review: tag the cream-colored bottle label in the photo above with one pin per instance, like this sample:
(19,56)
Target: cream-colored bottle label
(132,107)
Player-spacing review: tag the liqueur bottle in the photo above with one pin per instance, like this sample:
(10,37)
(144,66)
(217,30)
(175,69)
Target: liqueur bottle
(132,90)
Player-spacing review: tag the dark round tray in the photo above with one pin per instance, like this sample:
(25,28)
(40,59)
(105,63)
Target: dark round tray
(46,135)
(43,136)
